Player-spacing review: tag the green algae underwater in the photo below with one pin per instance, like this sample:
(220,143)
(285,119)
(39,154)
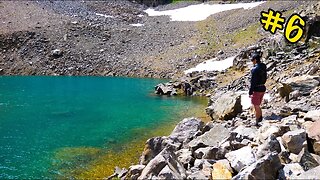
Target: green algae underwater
(81,127)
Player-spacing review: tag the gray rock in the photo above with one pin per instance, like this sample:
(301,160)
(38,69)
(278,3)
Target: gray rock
(152,148)
(165,158)
(134,171)
(310,174)
(294,141)
(168,173)
(211,138)
(164,89)
(56,53)
(305,84)
(185,158)
(266,130)
(197,175)
(203,163)
(243,132)
(265,168)
(225,107)
(186,130)
(241,158)
(206,153)
(269,146)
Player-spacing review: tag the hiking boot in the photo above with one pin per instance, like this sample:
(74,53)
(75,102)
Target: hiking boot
(258,121)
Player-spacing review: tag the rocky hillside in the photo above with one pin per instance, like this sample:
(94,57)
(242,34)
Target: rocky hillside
(105,38)
(285,145)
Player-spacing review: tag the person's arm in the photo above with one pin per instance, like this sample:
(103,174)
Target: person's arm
(254,80)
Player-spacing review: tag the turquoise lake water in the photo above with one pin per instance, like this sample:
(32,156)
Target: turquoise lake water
(39,115)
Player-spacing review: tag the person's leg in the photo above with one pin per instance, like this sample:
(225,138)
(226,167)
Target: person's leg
(258,111)
(256,101)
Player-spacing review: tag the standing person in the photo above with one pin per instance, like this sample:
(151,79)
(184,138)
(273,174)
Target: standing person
(257,87)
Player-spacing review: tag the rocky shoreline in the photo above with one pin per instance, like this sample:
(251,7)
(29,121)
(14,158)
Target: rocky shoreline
(84,38)
(285,145)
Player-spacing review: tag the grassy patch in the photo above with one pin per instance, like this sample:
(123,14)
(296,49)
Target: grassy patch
(245,37)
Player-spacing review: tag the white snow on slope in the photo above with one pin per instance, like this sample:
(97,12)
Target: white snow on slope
(104,15)
(246,100)
(137,25)
(199,12)
(212,65)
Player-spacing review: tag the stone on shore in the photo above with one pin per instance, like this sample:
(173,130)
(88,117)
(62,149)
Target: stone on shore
(165,159)
(211,138)
(186,130)
(225,107)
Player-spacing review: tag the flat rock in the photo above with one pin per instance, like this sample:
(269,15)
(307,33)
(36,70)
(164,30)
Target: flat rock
(211,138)
(241,158)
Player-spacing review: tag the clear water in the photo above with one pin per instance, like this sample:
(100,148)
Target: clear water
(39,115)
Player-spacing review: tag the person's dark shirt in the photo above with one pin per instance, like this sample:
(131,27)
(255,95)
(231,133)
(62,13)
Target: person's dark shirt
(257,79)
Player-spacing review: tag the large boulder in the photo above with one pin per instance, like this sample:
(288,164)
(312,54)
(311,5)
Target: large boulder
(165,165)
(295,141)
(304,84)
(241,158)
(225,107)
(265,168)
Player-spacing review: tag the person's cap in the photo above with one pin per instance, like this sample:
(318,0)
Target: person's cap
(255,56)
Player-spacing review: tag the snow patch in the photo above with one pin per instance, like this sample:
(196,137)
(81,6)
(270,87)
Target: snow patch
(137,25)
(246,100)
(104,15)
(199,12)
(212,65)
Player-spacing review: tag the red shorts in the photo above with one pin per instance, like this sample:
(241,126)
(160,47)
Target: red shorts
(256,98)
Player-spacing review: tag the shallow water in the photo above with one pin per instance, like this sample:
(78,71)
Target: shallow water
(53,126)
